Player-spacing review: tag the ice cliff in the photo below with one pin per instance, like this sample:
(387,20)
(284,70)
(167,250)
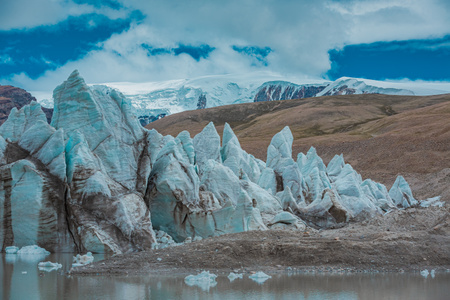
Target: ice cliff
(96,180)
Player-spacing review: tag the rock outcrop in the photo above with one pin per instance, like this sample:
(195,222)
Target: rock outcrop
(13,97)
(281,90)
(96,180)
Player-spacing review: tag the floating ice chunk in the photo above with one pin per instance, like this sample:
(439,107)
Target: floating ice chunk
(433,273)
(34,249)
(49,266)
(204,280)
(81,260)
(435,201)
(11,250)
(424,273)
(232,276)
(259,277)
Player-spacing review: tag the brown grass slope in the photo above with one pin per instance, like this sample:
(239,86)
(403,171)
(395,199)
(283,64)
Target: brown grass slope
(381,136)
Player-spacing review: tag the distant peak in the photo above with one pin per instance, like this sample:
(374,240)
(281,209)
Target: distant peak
(74,73)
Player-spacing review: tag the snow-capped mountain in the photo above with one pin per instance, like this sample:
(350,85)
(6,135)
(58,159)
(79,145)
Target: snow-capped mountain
(168,97)
(283,90)
(350,86)
(153,100)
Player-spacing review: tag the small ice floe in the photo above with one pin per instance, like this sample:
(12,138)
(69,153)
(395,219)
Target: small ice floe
(159,259)
(24,272)
(204,280)
(33,249)
(31,254)
(433,273)
(49,266)
(234,276)
(424,273)
(259,277)
(81,260)
(11,250)
(435,201)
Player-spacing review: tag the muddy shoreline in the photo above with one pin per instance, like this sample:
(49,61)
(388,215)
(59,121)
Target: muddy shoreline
(402,241)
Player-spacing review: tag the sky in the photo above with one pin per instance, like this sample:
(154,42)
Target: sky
(43,41)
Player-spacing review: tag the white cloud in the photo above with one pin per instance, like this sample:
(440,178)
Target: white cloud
(25,14)
(6,59)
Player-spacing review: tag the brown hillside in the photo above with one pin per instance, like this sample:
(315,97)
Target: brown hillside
(380,135)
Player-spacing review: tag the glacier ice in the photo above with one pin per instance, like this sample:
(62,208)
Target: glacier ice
(401,194)
(33,249)
(233,276)
(259,277)
(81,260)
(49,266)
(11,250)
(95,180)
(204,280)
(424,273)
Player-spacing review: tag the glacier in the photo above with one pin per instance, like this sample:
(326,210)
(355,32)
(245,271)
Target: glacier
(94,180)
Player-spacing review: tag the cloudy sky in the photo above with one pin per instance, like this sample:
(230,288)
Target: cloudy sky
(42,41)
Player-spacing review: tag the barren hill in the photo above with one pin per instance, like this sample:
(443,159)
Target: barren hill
(381,136)
(11,97)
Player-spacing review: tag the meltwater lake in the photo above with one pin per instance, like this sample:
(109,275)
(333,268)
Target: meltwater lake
(20,278)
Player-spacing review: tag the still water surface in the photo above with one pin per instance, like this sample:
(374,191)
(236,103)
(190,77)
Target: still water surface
(21,279)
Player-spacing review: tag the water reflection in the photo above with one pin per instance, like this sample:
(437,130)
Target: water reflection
(36,284)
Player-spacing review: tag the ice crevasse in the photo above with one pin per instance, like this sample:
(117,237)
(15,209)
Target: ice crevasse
(96,180)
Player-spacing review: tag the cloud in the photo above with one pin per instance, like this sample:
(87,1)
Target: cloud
(5,59)
(257,53)
(166,43)
(25,14)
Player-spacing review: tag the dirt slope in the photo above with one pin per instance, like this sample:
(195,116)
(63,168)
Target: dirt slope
(380,135)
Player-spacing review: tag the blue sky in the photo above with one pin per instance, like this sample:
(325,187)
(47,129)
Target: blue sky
(42,41)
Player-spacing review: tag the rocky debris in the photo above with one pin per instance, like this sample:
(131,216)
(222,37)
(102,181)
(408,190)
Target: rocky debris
(96,180)
(396,242)
(13,97)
